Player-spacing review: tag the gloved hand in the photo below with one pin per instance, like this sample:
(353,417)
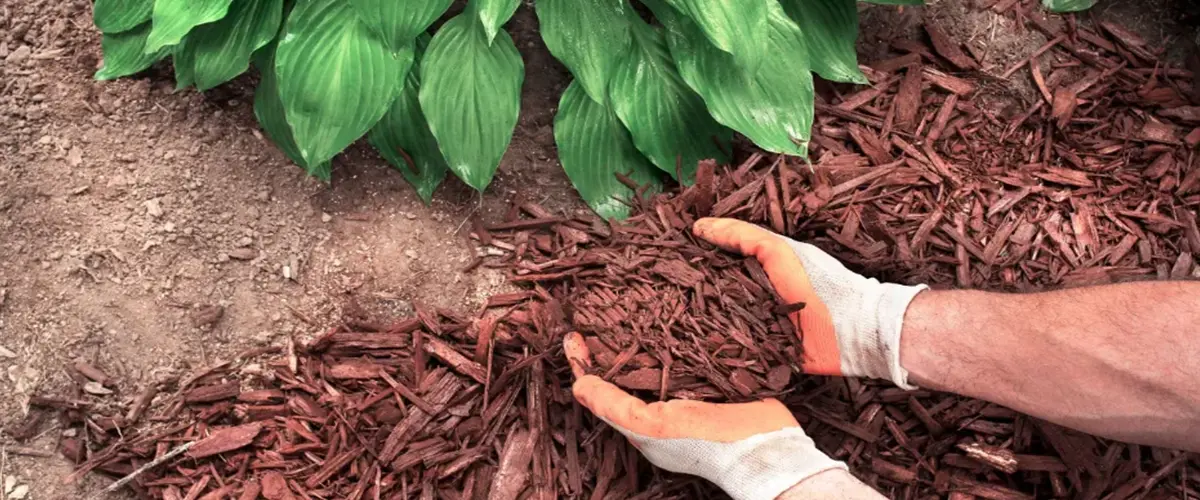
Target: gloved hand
(751,450)
(850,325)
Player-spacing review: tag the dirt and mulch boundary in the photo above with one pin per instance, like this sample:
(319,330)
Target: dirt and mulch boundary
(918,178)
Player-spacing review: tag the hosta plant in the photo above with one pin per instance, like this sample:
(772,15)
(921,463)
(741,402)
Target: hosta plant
(659,84)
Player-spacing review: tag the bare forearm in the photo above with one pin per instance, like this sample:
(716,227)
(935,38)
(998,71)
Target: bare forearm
(833,484)
(1117,361)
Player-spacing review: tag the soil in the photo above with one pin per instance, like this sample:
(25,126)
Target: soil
(128,210)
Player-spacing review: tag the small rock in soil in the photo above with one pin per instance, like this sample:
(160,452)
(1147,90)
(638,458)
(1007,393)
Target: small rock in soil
(154,208)
(94,388)
(75,157)
(243,253)
(19,55)
(207,316)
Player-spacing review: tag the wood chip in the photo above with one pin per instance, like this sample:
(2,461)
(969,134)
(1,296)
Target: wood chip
(224,440)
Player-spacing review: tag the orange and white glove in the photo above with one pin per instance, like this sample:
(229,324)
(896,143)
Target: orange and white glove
(752,451)
(850,325)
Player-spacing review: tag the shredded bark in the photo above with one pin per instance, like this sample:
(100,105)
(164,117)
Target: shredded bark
(913,180)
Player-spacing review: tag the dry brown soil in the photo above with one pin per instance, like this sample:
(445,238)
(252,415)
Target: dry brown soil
(126,208)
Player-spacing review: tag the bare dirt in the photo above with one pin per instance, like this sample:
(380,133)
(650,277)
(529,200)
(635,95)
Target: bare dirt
(127,209)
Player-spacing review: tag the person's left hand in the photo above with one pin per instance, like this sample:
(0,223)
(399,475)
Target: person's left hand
(751,450)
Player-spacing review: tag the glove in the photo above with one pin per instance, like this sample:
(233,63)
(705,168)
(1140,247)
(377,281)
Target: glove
(850,325)
(751,450)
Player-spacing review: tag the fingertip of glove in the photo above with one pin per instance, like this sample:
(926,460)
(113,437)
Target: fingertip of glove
(577,353)
(713,228)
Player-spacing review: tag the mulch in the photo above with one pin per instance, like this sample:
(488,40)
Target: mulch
(916,178)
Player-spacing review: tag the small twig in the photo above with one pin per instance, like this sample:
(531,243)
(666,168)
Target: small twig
(468,217)
(26,452)
(141,470)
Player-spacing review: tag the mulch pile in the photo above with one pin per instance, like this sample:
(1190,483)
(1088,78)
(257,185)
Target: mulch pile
(916,179)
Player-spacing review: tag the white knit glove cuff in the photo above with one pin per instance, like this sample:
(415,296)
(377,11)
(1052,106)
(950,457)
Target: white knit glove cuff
(867,315)
(760,467)
(874,348)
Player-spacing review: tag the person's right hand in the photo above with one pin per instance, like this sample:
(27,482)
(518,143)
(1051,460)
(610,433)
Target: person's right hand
(850,325)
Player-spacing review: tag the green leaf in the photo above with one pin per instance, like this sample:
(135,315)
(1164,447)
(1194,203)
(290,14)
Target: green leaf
(185,65)
(593,147)
(471,95)
(116,16)
(403,138)
(831,28)
(667,119)
(400,21)
(1068,5)
(268,108)
(173,19)
(124,53)
(493,14)
(218,52)
(734,26)
(588,36)
(772,107)
(336,77)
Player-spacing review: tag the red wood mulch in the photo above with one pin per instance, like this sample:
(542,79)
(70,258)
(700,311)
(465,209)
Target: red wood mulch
(915,180)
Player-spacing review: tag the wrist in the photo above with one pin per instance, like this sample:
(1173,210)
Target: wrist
(893,306)
(871,343)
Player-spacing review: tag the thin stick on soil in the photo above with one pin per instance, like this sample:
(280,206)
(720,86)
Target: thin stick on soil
(141,470)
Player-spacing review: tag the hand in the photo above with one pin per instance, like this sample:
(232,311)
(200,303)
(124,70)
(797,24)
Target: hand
(751,450)
(850,325)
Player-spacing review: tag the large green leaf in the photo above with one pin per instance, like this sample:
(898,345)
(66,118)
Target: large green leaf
(471,96)
(173,19)
(337,77)
(220,51)
(493,14)
(268,108)
(1068,5)
(400,21)
(588,36)
(116,16)
(593,147)
(667,120)
(185,65)
(125,54)
(404,140)
(734,26)
(773,106)
(830,29)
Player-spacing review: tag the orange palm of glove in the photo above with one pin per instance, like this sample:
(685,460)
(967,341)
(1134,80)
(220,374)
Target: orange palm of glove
(680,419)
(783,266)
(753,451)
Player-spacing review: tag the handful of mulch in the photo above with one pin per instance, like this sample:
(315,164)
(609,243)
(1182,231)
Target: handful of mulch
(666,313)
